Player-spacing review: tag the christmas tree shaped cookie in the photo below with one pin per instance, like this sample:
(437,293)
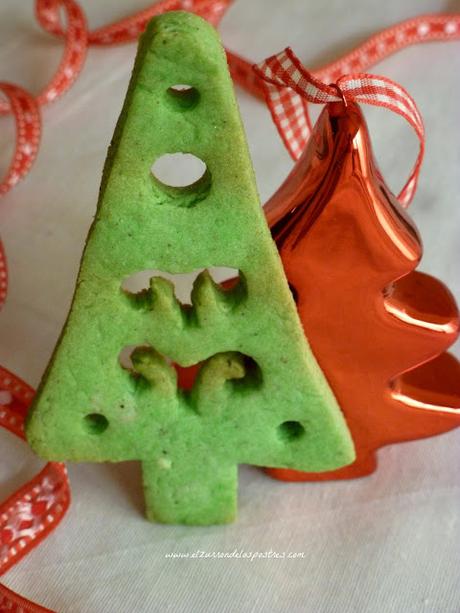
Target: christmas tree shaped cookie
(259,397)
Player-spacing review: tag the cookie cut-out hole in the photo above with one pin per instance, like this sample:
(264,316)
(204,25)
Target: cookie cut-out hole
(186,376)
(139,282)
(291,431)
(183,97)
(182,178)
(96,423)
(124,357)
(252,378)
(178,170)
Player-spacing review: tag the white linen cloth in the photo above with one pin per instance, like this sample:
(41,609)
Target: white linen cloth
(387,543)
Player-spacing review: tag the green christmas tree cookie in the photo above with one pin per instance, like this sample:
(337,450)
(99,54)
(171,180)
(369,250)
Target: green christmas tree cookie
(260,397)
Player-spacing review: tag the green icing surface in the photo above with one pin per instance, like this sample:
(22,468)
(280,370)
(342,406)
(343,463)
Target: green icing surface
(260,397)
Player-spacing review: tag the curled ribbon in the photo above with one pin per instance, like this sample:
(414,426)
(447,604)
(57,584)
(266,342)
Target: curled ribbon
(425,28)
(25,106)
(77,37)
(28,127)
(289,87)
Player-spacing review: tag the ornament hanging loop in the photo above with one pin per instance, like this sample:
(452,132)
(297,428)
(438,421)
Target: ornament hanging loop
(339,93)
(289,87)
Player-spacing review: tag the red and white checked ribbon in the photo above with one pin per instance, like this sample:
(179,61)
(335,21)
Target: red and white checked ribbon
(441,27)
(289,87)
(426,28)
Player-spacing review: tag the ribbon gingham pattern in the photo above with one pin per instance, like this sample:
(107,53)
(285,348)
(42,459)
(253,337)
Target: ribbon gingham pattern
(426,28)
(289,87)
(442,27)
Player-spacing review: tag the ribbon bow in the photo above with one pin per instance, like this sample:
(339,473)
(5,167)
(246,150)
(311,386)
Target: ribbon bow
(289,87)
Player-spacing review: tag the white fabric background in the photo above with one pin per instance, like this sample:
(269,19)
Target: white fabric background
(387,543)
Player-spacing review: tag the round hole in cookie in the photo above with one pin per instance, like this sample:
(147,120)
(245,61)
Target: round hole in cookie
(96,423)
(183,97)
(179,170)
(290,431)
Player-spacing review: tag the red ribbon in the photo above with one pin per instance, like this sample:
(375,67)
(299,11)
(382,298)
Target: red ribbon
(3,275)
(33,511)
(27,516)
(289,87)
(28,128)
(441,27)
(77,37)
(13,603)
(426,28)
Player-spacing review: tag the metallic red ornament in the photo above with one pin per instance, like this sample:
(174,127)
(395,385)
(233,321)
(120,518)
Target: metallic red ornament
(377,327)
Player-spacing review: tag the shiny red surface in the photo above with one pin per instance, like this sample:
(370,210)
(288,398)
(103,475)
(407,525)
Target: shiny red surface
(375,325)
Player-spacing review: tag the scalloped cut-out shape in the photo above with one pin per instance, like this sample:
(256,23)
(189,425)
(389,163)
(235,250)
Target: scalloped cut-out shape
(183,282)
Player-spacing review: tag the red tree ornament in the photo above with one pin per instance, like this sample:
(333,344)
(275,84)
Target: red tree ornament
(377,327)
